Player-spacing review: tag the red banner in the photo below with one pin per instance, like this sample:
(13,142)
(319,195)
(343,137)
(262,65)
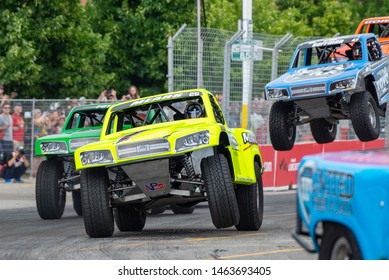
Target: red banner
(268,153)
(343,145)
(280,168)
(377,144)
(287,162)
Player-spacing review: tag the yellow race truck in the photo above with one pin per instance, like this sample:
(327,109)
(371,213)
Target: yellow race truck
(169,149)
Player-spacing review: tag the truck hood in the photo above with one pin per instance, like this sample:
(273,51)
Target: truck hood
(178,129)
(71,135)
(73,141)
(317,74)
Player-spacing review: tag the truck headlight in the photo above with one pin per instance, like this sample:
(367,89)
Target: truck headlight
(96,157)
(343,85)
(77,143)
(53,147)
(192,140)
(277,93)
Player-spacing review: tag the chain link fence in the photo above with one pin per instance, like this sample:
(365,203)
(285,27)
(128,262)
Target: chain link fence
(41,118)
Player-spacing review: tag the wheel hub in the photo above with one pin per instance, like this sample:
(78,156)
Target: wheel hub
(372,116)
(341,250)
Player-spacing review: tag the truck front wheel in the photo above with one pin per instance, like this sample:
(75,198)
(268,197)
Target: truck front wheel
(220,191)
(98,216)
(50,197)
(339,243)
(282,130)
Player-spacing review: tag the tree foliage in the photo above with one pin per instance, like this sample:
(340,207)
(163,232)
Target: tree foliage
(138,32)
(49,49)
(57,48)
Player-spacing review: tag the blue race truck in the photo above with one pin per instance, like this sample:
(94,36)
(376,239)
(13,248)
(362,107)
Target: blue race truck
(343,205)
(328,80)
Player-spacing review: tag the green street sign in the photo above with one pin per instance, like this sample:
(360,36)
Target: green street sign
(246,50)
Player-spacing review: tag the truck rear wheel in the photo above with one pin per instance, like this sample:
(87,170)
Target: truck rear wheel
(98,216)
(179,209)
(364,116)
(323,131)
(282,130)
(339,243)
(50,197)
(76,195)
(250,203)
(220,191)
(129,219)
(156,210)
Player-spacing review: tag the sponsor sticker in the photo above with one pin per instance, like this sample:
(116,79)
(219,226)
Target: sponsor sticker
(382,83)
(155,186)
(249,138)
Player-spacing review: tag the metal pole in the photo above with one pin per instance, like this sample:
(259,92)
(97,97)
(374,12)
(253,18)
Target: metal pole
(227,70)
(170,53)
(274,67)
(199,48)
(246,64)
(32,138)
(170,63)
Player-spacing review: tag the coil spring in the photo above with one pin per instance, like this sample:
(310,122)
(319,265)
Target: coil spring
(71,168)
(189,168)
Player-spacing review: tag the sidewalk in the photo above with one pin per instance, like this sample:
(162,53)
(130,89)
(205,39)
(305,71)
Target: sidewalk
(26,181)
(17,195)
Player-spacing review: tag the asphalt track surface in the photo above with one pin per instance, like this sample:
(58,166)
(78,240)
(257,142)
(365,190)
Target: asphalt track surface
(23,235)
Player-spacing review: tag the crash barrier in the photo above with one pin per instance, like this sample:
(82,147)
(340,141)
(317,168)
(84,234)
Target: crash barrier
(281,166)
(50,112)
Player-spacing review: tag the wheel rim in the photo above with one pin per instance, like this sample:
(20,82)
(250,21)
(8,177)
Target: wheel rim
(372,115)
(290,132)
(341,250)
(331,128)
(290,125)
(62,194)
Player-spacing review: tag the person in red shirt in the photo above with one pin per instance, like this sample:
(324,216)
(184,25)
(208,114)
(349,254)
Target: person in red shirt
(18,126)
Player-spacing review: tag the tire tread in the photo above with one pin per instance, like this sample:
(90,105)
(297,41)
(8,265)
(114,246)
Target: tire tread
(50,204)
(220,191)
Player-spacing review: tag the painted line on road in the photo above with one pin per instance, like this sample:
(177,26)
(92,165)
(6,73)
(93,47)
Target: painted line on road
(224,237)
(256,254)
(280,214)
(105,247)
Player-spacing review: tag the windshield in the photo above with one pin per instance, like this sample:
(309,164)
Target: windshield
(379,27)
(157,112)
(330,51)
(86,119)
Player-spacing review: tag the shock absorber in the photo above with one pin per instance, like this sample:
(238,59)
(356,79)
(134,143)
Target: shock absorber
(188,165)
(69,173)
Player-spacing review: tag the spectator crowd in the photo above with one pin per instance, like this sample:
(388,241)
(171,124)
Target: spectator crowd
(41,121)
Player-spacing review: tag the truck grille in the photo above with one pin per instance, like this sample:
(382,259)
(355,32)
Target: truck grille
(143,148)
(308,90)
